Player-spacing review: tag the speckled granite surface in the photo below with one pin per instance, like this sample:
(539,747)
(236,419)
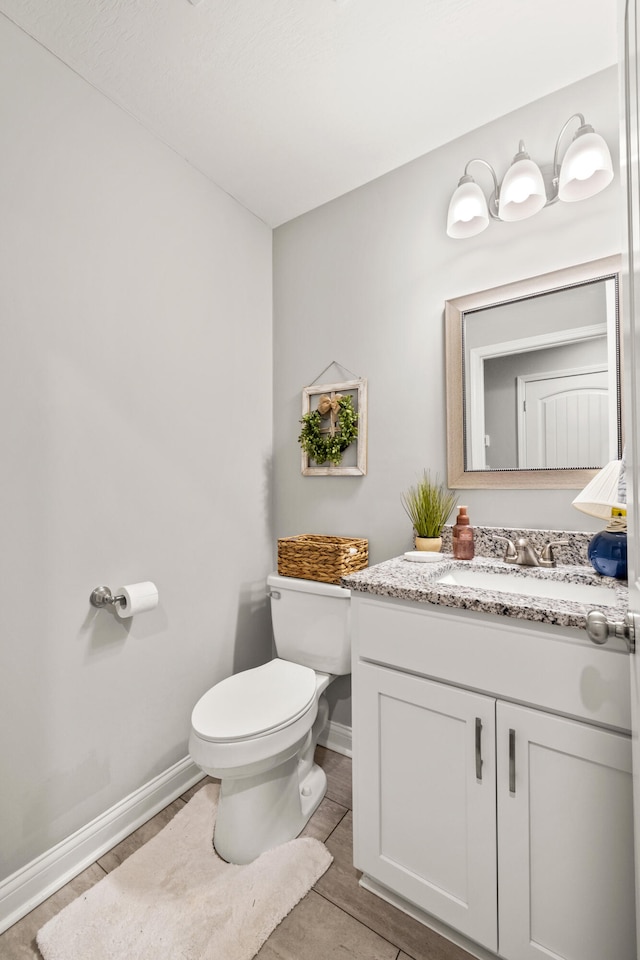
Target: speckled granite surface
(488,546)
(409,580)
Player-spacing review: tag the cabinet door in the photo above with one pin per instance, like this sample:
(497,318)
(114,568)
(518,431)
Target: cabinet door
(424,772)
(565,839)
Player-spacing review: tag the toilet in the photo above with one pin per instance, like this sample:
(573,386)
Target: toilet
(257,731)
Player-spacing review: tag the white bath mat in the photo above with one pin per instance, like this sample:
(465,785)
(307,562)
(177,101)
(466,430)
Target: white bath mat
(175,899)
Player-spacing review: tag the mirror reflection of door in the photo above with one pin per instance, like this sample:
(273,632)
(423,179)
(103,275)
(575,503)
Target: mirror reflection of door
(561,332)
(563,419)
(502,408)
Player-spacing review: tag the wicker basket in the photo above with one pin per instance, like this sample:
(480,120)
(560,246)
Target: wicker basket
(313,557)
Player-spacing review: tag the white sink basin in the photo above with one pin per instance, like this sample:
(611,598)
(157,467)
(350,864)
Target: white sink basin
(528,586)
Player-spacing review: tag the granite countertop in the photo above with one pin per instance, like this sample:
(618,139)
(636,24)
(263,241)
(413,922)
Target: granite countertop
(410,580)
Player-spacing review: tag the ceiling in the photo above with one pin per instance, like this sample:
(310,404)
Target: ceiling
(286,104)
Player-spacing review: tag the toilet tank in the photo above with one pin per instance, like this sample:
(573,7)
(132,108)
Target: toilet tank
(311,623)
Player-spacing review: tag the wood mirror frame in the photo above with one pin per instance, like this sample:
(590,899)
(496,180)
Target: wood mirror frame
(508,478)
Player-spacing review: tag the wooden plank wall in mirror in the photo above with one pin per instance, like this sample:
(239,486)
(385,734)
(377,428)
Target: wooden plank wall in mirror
(534,380)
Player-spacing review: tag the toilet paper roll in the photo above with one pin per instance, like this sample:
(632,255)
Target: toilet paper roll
(138,598)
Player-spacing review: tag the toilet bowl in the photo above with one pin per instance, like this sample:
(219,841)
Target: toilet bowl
(257,730)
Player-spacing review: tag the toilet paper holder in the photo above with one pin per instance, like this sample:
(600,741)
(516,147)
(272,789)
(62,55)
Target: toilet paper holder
(102,597)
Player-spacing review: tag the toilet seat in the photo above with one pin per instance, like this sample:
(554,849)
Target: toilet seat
(255,703)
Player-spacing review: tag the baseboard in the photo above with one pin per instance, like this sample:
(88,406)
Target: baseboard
(32,884)
(26,888)
(337,737)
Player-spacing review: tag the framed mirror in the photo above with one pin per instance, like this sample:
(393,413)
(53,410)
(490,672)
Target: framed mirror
(534,380)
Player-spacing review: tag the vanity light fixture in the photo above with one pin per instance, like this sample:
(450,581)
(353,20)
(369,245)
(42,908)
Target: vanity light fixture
(586,169)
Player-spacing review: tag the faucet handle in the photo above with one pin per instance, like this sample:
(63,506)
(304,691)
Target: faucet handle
(510,553)
(547,558)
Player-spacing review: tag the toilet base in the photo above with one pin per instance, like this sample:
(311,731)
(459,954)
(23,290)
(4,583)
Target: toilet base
(258,813)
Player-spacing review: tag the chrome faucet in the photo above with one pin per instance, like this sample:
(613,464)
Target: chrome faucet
(524,554)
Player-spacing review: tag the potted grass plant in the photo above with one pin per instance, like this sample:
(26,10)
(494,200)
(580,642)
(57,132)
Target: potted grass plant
(428,505)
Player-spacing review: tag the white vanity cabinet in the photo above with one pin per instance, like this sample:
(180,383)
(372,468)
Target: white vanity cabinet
(492,780)
(426,821)
(565,838)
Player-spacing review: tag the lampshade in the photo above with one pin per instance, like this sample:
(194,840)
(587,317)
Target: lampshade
(586,168)
(522,192)
(468,213)
(601,496)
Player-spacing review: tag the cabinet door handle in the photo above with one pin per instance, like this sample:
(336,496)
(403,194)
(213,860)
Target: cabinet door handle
(512,761)
(478,748)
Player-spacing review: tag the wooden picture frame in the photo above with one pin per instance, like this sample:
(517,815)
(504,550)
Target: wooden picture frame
(354,458)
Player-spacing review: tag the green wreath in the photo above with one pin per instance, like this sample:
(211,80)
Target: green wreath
(321,447)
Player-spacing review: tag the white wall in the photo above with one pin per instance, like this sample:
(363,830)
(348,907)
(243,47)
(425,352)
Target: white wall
(136,389)
(135,379)
(363,280)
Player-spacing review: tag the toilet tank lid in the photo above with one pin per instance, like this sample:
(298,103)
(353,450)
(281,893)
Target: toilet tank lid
(254,702)
(308,586)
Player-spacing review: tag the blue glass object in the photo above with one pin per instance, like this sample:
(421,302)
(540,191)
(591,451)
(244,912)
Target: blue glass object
(608,553)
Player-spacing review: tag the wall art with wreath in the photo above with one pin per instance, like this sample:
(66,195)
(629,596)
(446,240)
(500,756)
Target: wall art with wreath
(333,435)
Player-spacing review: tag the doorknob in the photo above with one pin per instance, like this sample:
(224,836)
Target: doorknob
(599,629)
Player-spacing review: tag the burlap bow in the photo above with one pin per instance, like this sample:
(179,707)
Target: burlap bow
(326,404)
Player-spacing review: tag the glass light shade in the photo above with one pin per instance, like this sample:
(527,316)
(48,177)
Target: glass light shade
(600,496)
(586,168)
(522,192)
(468,213)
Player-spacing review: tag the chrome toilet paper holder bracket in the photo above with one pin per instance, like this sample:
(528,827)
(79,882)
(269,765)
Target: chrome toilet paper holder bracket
(102,597)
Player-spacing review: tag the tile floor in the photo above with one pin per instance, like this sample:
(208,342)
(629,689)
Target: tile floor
(337,919)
